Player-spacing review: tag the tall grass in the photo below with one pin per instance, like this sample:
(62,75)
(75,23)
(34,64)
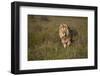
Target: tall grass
(44,42)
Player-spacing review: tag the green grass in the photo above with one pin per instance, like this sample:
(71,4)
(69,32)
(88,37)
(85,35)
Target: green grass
(44,42)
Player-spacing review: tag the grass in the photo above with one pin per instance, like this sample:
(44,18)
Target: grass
(44,42)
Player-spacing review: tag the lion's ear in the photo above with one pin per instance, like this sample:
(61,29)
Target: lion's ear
(66,25)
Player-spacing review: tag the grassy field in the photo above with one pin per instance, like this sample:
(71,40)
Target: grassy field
(44,42)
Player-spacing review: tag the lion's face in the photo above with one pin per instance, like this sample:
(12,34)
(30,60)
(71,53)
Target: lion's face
(63,27)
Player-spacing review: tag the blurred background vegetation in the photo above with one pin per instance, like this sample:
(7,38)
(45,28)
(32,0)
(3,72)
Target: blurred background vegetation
(44,42)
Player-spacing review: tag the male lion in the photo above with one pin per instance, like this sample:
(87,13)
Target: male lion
(65,36)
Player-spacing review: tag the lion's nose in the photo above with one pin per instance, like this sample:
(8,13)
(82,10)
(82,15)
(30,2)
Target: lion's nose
(65,34)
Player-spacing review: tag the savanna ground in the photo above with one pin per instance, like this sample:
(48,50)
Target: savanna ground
(44,42)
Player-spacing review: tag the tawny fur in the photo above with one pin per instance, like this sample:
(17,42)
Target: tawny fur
(64,34)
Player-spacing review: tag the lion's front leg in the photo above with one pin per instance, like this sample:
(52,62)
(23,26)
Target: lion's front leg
(64,45)
(69,43)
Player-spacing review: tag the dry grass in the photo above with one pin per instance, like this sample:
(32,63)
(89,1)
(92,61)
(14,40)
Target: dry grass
(44,42)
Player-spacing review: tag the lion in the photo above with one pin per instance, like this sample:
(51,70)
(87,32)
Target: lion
(64,34)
